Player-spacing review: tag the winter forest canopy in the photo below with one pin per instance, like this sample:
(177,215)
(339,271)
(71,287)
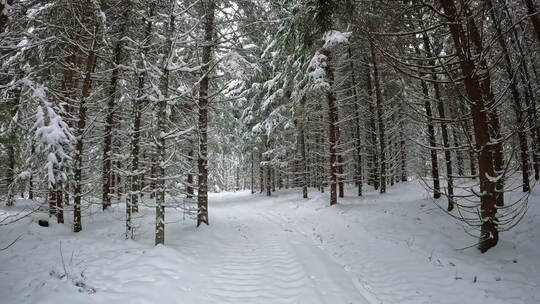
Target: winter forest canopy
(138,114)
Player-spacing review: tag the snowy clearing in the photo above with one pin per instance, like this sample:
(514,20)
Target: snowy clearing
(392,248)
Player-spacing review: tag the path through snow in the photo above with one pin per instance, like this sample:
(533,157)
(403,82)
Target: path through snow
(392,248)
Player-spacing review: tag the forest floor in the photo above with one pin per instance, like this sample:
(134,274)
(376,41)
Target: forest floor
(398,247)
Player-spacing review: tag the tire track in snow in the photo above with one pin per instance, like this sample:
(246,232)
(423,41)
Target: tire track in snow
(330,281)
(381,276)
(384,278)
(260,271)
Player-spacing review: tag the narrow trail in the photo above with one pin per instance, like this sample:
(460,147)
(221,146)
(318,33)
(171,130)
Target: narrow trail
(264,260)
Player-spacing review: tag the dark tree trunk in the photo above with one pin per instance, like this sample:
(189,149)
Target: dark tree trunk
(202,198)
(380,120)
(457,144)
(402,146)
(374,160)
(252,176)
(446,145)
(304,169)
(135,148)
(332,129)
(162,129)
(3,17)
(534,14)
(59,204)
(481,123)
(81,126)
(31,177)
(431,136)
(530,105)
(518,108)
(237,186)
(444,129)
(107,174)
(261,172)
(273,179)
(51,197)
(189,178)
(268,180)
(357,134)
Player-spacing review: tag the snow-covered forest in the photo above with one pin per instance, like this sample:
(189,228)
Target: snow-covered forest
(269,151)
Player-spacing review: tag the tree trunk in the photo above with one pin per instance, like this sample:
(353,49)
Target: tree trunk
(273,172)
(489,234)
(252,173)
(51,197)
(162,129)
(31,177)
(530,105)
(261,172)
(304,159)
(402,146)
(4,18)
(518,108)
(444,129)
(208,12)
(431,136)
(374,163)
(380,120)
(446,145)
(237,186)
(357,134)
(268,180)
(132,201)
(534,14)
(332,129)
(107,174)
(81,126)
(59,204)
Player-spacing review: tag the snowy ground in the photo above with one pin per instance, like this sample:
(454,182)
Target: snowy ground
(392,248)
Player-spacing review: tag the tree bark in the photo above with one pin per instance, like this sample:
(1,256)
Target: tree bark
(107,173)
(444,129)
(162,129)
(3,17)
(357,134)
(332,129)
(268,179)
(534,14)
(431,136)
(189,180)
(530,104)
(518,108)
(208,11)
(304,159)
(81,126)
(252,173)
(374,163)
(261,172)
(380,120)
(489,234)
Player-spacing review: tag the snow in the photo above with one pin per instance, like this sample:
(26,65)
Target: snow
(335,38)
(392,248)
(317,73)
